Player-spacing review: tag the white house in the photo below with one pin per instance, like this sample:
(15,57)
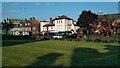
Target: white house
(60,23)
(47,26)
(42,23)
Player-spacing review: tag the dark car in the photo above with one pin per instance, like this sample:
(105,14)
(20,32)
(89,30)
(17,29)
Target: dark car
(50,35)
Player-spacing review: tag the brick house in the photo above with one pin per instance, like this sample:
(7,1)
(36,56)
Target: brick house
(25,27)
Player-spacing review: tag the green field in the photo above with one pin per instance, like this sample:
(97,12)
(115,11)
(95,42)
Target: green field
(59,53)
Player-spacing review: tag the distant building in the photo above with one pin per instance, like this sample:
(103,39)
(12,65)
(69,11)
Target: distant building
(60,23)
(16,29)
(25,27)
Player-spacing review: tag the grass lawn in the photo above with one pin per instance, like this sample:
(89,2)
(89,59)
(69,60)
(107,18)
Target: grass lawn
(59,53)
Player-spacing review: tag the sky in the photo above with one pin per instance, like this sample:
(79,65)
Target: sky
(45,10)
(60,0)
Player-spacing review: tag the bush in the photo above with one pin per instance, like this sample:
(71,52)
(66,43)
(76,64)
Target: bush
(88,40)
(119,41)
(97,40)
(111,41)
(11,37)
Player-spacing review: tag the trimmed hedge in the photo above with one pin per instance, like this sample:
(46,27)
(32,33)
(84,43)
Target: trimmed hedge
(11,37)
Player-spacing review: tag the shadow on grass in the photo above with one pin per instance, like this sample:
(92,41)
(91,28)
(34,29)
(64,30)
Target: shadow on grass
(16,42)
(46,60)
(91,57)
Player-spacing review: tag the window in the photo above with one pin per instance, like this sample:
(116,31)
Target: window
(25,24)
(28,23)
(20,24)
(34,28)
(51,27)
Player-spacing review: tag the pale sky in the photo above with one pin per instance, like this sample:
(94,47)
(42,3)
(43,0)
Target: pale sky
(60,1)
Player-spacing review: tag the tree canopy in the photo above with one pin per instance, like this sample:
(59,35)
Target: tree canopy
(86,18)
(7,24)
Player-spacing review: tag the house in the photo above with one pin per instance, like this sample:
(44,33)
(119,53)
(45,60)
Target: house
(50,26)
(42,23)
(25,27)
(59,24)
(35,26)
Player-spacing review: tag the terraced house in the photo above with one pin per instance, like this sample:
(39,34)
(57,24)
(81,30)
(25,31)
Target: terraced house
(25,27)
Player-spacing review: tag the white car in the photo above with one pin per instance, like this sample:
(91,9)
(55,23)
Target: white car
(57,36)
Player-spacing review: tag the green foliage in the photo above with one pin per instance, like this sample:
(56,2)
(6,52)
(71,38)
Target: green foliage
(88,40)
(111,41)
(97,40)
(86,18)
(6,25)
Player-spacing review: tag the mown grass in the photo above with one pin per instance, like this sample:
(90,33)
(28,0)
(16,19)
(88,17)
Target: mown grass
(59,53)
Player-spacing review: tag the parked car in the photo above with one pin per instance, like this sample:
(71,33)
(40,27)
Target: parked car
(58,36)
(50,35)
(43,36)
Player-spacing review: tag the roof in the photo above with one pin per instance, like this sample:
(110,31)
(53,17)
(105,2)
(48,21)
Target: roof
(36,22)
(49,25)
(43,21)
(62,17)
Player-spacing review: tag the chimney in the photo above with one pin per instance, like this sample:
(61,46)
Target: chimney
(25,19)
(33,18)
(50,20)
(30,19)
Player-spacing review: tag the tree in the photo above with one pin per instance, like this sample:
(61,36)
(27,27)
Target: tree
(86,18)
(6,25)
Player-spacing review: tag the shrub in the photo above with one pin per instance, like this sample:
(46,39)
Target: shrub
(97,40)
(111,41)
(119,41)
(88,40)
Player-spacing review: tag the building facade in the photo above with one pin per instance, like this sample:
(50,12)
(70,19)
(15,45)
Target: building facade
(59,24)
(25,27)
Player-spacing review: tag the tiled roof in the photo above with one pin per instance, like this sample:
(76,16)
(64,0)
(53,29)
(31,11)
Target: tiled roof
(49,25)
(43,21)
(62,17)
(36,22)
